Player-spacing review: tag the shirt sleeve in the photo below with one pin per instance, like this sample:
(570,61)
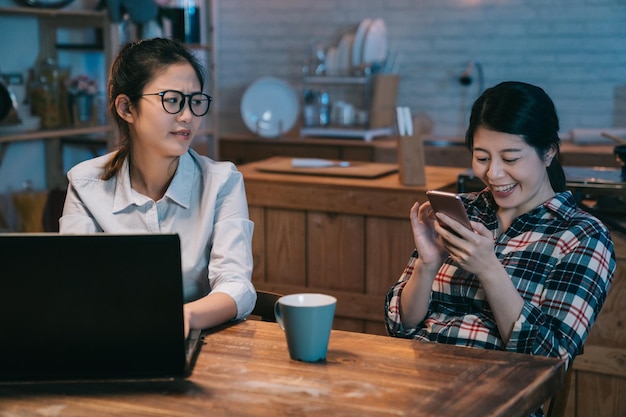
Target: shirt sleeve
(76,218)
(393,320)
(231,262)
(573,294)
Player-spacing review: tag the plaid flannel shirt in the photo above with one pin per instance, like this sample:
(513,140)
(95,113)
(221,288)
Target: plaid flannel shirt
(561,260)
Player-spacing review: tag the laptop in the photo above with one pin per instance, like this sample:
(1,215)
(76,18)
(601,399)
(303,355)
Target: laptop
(92,307)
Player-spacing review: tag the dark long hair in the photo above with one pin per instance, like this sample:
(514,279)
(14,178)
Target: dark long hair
(520,109)
(135,66)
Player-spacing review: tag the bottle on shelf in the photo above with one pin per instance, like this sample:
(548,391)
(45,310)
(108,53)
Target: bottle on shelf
(324,108)
(310,110)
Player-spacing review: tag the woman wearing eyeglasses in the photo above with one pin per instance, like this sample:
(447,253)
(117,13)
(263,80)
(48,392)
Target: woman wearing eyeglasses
(155,183)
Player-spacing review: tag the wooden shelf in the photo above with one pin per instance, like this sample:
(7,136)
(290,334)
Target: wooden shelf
(80,46)
(38,12)
(346,132)
(55,133)
(330,80)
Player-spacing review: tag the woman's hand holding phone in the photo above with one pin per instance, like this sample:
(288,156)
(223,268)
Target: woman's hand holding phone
(449,204)
(427,242)
(472,251)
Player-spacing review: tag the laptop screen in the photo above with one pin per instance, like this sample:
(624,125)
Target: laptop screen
(90,306)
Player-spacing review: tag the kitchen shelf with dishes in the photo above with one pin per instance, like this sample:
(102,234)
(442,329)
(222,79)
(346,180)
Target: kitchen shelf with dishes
(333,106)
(348,88)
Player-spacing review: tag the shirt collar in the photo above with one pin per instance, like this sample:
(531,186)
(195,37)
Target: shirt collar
(562,204)
(179,190)
(123,193)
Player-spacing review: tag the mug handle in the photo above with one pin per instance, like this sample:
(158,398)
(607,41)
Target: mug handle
(279,318)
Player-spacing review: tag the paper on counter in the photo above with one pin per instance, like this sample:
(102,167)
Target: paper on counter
(317,163)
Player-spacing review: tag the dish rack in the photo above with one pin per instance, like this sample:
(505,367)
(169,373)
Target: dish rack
(376,100)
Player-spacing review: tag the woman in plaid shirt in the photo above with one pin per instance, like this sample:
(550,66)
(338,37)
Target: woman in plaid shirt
(533,274)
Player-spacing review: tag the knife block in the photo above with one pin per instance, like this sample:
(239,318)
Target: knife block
(411,162)
(384,97)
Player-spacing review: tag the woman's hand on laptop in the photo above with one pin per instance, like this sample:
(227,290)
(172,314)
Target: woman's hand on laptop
(211,310)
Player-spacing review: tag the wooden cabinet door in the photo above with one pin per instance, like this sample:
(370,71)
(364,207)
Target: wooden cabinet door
(285,245)
(601,369)
(388,249)
(335,251)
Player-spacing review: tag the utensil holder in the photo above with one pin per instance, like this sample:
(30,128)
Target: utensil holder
(411,162)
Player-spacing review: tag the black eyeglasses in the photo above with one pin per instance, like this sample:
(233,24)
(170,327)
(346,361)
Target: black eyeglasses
(174,102)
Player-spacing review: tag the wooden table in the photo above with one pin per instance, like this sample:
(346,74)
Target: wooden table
(348,237)
(245,370)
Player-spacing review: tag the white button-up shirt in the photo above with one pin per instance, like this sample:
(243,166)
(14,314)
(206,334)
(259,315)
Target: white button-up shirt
(205,205)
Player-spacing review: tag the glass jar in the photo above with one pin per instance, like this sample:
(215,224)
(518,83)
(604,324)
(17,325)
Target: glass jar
(47,94)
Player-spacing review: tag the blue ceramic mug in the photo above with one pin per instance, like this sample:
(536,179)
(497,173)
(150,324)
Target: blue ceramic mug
(306,319)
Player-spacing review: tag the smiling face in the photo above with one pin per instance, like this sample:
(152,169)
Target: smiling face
(513,171)
(155,132)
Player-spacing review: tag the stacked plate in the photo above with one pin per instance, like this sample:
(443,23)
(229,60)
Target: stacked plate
(332,61)
(359,38)
(367,45)
(344,53)
(375,43)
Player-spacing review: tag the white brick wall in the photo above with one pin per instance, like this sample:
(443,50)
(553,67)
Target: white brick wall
(574,49)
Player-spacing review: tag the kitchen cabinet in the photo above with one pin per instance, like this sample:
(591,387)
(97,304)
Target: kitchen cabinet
(599,385)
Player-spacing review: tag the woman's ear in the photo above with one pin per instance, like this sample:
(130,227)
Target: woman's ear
(550,155)
(124,108)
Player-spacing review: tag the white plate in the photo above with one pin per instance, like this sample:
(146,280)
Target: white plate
(357,46)
(344,53)
(270,107)
(376,44)
(332,67)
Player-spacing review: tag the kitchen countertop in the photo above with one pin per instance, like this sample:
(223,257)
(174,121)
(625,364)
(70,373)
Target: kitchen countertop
(443,151)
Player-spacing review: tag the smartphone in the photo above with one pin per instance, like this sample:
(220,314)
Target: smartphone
(449,204)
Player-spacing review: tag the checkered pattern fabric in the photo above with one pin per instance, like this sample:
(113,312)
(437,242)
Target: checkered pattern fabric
(560,258)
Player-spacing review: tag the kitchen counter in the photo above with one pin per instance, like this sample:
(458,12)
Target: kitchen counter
(245,148)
